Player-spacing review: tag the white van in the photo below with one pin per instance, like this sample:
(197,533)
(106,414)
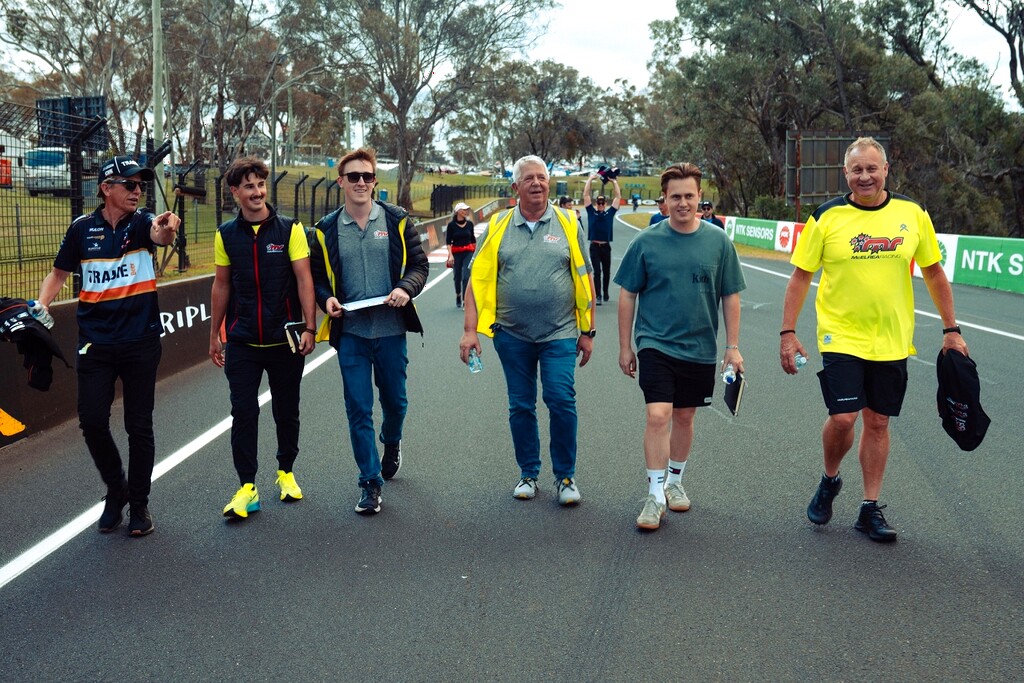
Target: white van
(47,171)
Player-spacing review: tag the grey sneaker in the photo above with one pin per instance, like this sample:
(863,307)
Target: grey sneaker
(568,493)
(677,498)
(525,489)
(650,517)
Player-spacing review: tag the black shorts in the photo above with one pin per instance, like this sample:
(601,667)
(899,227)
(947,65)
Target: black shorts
(849,384)
(665,379)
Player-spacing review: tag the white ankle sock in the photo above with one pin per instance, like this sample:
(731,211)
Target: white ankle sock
(656,484)
(675,471)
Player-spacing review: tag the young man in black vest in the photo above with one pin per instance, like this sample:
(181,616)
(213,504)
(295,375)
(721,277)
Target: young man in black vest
(261,283)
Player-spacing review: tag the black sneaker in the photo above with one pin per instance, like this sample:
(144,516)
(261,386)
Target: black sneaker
(369,504)
(116,499)
(140,522)
(872,522)
(392,460)
(820,509)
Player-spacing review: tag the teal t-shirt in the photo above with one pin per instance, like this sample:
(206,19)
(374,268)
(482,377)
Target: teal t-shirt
(680,280)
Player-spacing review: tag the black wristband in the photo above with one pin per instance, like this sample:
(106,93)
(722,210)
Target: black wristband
(310,330)
(955,328)
(785,332)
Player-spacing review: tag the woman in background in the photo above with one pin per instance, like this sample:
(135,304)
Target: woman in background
(461,242)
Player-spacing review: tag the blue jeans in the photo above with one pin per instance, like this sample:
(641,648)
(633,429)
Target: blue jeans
(557,360)
(386,357)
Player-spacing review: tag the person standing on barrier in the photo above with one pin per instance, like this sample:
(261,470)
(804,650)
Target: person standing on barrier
(600,224)
(262,283)
(461,242)
(531,288)
(865,243)
(674,277)
(369,252)
(118,332)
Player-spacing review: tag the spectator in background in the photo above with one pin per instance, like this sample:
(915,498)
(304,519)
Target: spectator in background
(708,214)
(566,203)
(600,223)
(461,242)
(662,213)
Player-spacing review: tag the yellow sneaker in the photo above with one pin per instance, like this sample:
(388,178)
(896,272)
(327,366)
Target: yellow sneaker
(290,491)
(246,500)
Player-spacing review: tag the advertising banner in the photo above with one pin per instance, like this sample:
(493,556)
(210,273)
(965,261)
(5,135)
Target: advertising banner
(993,262)
(755,232)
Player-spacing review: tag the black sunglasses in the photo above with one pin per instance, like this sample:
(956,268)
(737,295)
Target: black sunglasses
(129,185)
(355,176)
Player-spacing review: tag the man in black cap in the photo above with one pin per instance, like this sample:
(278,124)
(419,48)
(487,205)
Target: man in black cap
(118,331)
(662,212)
(708,214)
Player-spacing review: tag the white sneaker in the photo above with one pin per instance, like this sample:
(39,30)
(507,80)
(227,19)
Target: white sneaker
(525,489)
(678,501)
(568,494)
(651,514)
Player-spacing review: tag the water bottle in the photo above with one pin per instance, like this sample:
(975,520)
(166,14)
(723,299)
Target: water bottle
(39,313)
(800,360)
(729,376)
(475,364)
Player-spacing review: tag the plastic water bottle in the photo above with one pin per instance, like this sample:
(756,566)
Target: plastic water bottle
(800,360)
(729,376)
(39,313)
(475,364)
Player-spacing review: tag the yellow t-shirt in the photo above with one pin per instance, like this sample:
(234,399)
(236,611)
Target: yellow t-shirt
(865,300)
(298,247)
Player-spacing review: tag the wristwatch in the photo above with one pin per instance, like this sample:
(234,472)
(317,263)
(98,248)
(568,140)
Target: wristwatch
(591,334)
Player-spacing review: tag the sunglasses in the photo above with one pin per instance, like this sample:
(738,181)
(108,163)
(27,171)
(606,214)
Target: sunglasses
(355,177)
(130,185)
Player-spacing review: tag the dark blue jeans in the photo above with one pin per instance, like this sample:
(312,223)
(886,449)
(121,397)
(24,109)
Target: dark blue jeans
(99,368)
(244,366)
(460,271)
(557,362)
(386,360)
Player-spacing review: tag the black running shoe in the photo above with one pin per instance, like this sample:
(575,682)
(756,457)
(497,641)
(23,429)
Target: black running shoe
(392,460)
(116,499)
(820,509)
(369,503)
(140,522)
(872,522)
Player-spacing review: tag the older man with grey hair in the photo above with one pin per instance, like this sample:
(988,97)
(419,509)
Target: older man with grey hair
(531,288)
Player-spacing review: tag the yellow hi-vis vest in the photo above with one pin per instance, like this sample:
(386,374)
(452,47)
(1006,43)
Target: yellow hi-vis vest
(484,273)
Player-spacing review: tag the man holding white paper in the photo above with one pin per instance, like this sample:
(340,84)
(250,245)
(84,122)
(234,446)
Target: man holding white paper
(363,250)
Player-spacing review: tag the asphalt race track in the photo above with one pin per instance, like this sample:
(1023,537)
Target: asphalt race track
(456,581)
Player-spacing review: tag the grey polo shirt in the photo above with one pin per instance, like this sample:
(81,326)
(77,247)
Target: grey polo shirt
(365,257)
(536,296)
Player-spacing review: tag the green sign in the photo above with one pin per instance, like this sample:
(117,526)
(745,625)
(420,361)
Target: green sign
(755,232)
(993,262)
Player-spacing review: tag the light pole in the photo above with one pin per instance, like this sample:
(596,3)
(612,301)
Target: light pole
(158,98)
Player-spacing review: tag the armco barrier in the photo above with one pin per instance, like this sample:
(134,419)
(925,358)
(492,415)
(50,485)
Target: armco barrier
(185,316)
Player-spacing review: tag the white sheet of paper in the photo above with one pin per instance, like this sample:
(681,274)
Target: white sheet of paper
(364,303)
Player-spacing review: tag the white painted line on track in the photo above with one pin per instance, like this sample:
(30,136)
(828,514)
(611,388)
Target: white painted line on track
(927,314)
(44,548)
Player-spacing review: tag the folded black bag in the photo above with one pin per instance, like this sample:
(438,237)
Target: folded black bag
(959,399)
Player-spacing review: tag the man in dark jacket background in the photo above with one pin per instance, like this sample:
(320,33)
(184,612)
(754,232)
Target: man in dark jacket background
(368,264)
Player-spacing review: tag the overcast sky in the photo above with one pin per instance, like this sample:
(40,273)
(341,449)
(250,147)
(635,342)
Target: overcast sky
(609,39)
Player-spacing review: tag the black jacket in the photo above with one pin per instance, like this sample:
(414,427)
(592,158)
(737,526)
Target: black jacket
(264,295)
(959,399)
(407,263)
(34,341)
